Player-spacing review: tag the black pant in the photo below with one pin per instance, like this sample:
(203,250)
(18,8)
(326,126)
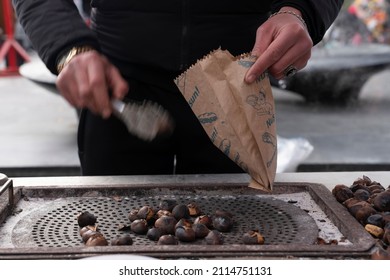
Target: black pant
(107,148)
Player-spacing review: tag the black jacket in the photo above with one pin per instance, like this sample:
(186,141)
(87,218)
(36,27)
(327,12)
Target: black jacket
(168,35)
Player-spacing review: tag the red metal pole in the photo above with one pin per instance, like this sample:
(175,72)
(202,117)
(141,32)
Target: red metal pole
(10,47)
(9,31)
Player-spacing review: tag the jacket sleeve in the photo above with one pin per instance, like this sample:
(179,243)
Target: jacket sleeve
(318,14)
(53,26)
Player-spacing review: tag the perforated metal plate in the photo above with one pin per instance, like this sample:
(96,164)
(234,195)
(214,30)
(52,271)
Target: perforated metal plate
(55,225)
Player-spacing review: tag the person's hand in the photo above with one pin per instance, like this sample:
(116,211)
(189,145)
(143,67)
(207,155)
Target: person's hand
(85,82)
(282,42)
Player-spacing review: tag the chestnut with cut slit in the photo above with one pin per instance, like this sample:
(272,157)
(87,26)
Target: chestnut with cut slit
(253,237)
(166,224)
(139,226)
(185,233)
(97,240)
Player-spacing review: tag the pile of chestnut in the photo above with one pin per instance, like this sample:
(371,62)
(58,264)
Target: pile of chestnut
(369,202)
(169,224)
(91,235)
(173,222)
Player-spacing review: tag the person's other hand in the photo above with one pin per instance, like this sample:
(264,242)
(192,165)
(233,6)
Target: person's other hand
(282,41)
(86,80)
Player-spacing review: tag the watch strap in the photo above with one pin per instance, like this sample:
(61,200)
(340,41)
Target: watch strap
(69,55)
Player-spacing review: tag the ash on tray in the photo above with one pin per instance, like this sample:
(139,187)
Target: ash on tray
(328,232)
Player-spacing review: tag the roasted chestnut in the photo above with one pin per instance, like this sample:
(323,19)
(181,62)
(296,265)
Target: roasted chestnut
(354,208)
(88,234)
(253,237)
(376,188)
(201,230)
(342,193)
(83,230)
(87,231)
(376,220)
(214,237)
(181,211)
(122,240)
(161,213)
(168,239)
(183,222)
(362,194)
(139,226)
(223,223)
(97,240)
(86,219)
(375,231)
(382,201)
(350,202)
(146,213)
(185,233)
(204,219)
(166,224)
(363,213)
(356,187)
(193,209)
(154,233)
(365,181)
(133,215)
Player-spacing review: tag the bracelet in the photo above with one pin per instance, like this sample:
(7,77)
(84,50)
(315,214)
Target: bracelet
(291,13)
(70,55)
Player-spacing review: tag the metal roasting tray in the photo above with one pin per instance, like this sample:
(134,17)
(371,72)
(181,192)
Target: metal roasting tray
(39,222)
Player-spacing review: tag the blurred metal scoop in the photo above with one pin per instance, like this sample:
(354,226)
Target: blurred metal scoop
(147,120)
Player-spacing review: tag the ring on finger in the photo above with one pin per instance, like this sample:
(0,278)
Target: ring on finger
(290,71)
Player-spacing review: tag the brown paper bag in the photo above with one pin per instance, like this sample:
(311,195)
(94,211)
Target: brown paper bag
(238,117)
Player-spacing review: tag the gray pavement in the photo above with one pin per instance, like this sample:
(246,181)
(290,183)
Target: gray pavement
(38,129)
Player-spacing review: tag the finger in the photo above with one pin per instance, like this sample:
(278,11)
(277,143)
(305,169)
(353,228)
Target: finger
(269,57)
(297,55)
(99,89)
(83,93)
(119,87)
(263,40)
(278,70)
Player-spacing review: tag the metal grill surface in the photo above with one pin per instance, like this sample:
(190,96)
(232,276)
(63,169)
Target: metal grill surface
(55,225)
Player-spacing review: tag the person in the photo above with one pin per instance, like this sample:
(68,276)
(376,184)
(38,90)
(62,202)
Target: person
(135,50)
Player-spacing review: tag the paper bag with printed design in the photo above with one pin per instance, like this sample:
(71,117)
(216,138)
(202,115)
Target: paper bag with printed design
(238,117)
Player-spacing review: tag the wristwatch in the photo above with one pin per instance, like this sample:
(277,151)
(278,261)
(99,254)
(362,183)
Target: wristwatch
(68,56)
